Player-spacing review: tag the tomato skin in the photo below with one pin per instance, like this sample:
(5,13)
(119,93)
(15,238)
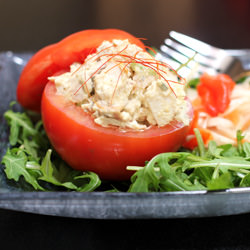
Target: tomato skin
(85,145)
(33,78)
(59,56)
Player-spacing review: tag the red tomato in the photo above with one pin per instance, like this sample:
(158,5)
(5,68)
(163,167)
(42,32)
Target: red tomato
(215,92)
(85,145)
(60,56)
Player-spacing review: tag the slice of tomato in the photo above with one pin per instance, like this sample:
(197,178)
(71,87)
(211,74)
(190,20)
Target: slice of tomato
(59,56)
(85,145)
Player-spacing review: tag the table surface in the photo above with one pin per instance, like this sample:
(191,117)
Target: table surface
(30,231)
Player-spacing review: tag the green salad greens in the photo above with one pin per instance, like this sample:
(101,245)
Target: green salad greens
(30,158)
(31,162)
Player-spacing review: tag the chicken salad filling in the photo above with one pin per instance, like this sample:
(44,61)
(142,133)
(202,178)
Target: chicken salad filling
(123,85)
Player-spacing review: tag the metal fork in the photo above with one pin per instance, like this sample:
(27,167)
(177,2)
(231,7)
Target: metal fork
(205,58)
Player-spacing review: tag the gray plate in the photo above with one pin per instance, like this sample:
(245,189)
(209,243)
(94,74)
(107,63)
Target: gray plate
(101,205)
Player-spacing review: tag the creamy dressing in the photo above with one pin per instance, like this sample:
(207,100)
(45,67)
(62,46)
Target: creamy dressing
(122,85)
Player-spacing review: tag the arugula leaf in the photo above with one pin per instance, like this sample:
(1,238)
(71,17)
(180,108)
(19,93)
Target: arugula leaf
(91,178)
(15,162)
(211,168)
(245,182)
(222,182)
(246,150)
(203,175)
(30,158)
(164,169)
(20,126)
(51,175)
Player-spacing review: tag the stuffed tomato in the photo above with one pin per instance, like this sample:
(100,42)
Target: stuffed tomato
(116,107)
(107,151)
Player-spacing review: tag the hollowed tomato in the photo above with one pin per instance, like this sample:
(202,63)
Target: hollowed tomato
(107,151)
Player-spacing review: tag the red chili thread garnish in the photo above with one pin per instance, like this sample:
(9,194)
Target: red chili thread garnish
(99,69)
(150,63)
(118,82)
(87,90)
(142,38)
(99,53)
(113,67)
(92,57)
(171,68)
(166,80)
(120,76)
(147,64)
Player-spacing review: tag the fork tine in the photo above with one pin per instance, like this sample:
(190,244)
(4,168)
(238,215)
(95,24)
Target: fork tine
(177,46)
(196,45)
(208,58)
(174,54)
(184,71)
(183,59)
(206,61)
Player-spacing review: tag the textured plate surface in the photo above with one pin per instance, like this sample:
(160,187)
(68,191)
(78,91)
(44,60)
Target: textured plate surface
(101,205)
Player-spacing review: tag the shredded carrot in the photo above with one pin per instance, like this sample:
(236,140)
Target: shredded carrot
(223,127)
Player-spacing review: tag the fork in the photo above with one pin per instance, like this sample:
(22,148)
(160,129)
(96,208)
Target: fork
(178,51)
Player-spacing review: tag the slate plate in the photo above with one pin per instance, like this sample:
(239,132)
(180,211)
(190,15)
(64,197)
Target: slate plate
(101,205)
